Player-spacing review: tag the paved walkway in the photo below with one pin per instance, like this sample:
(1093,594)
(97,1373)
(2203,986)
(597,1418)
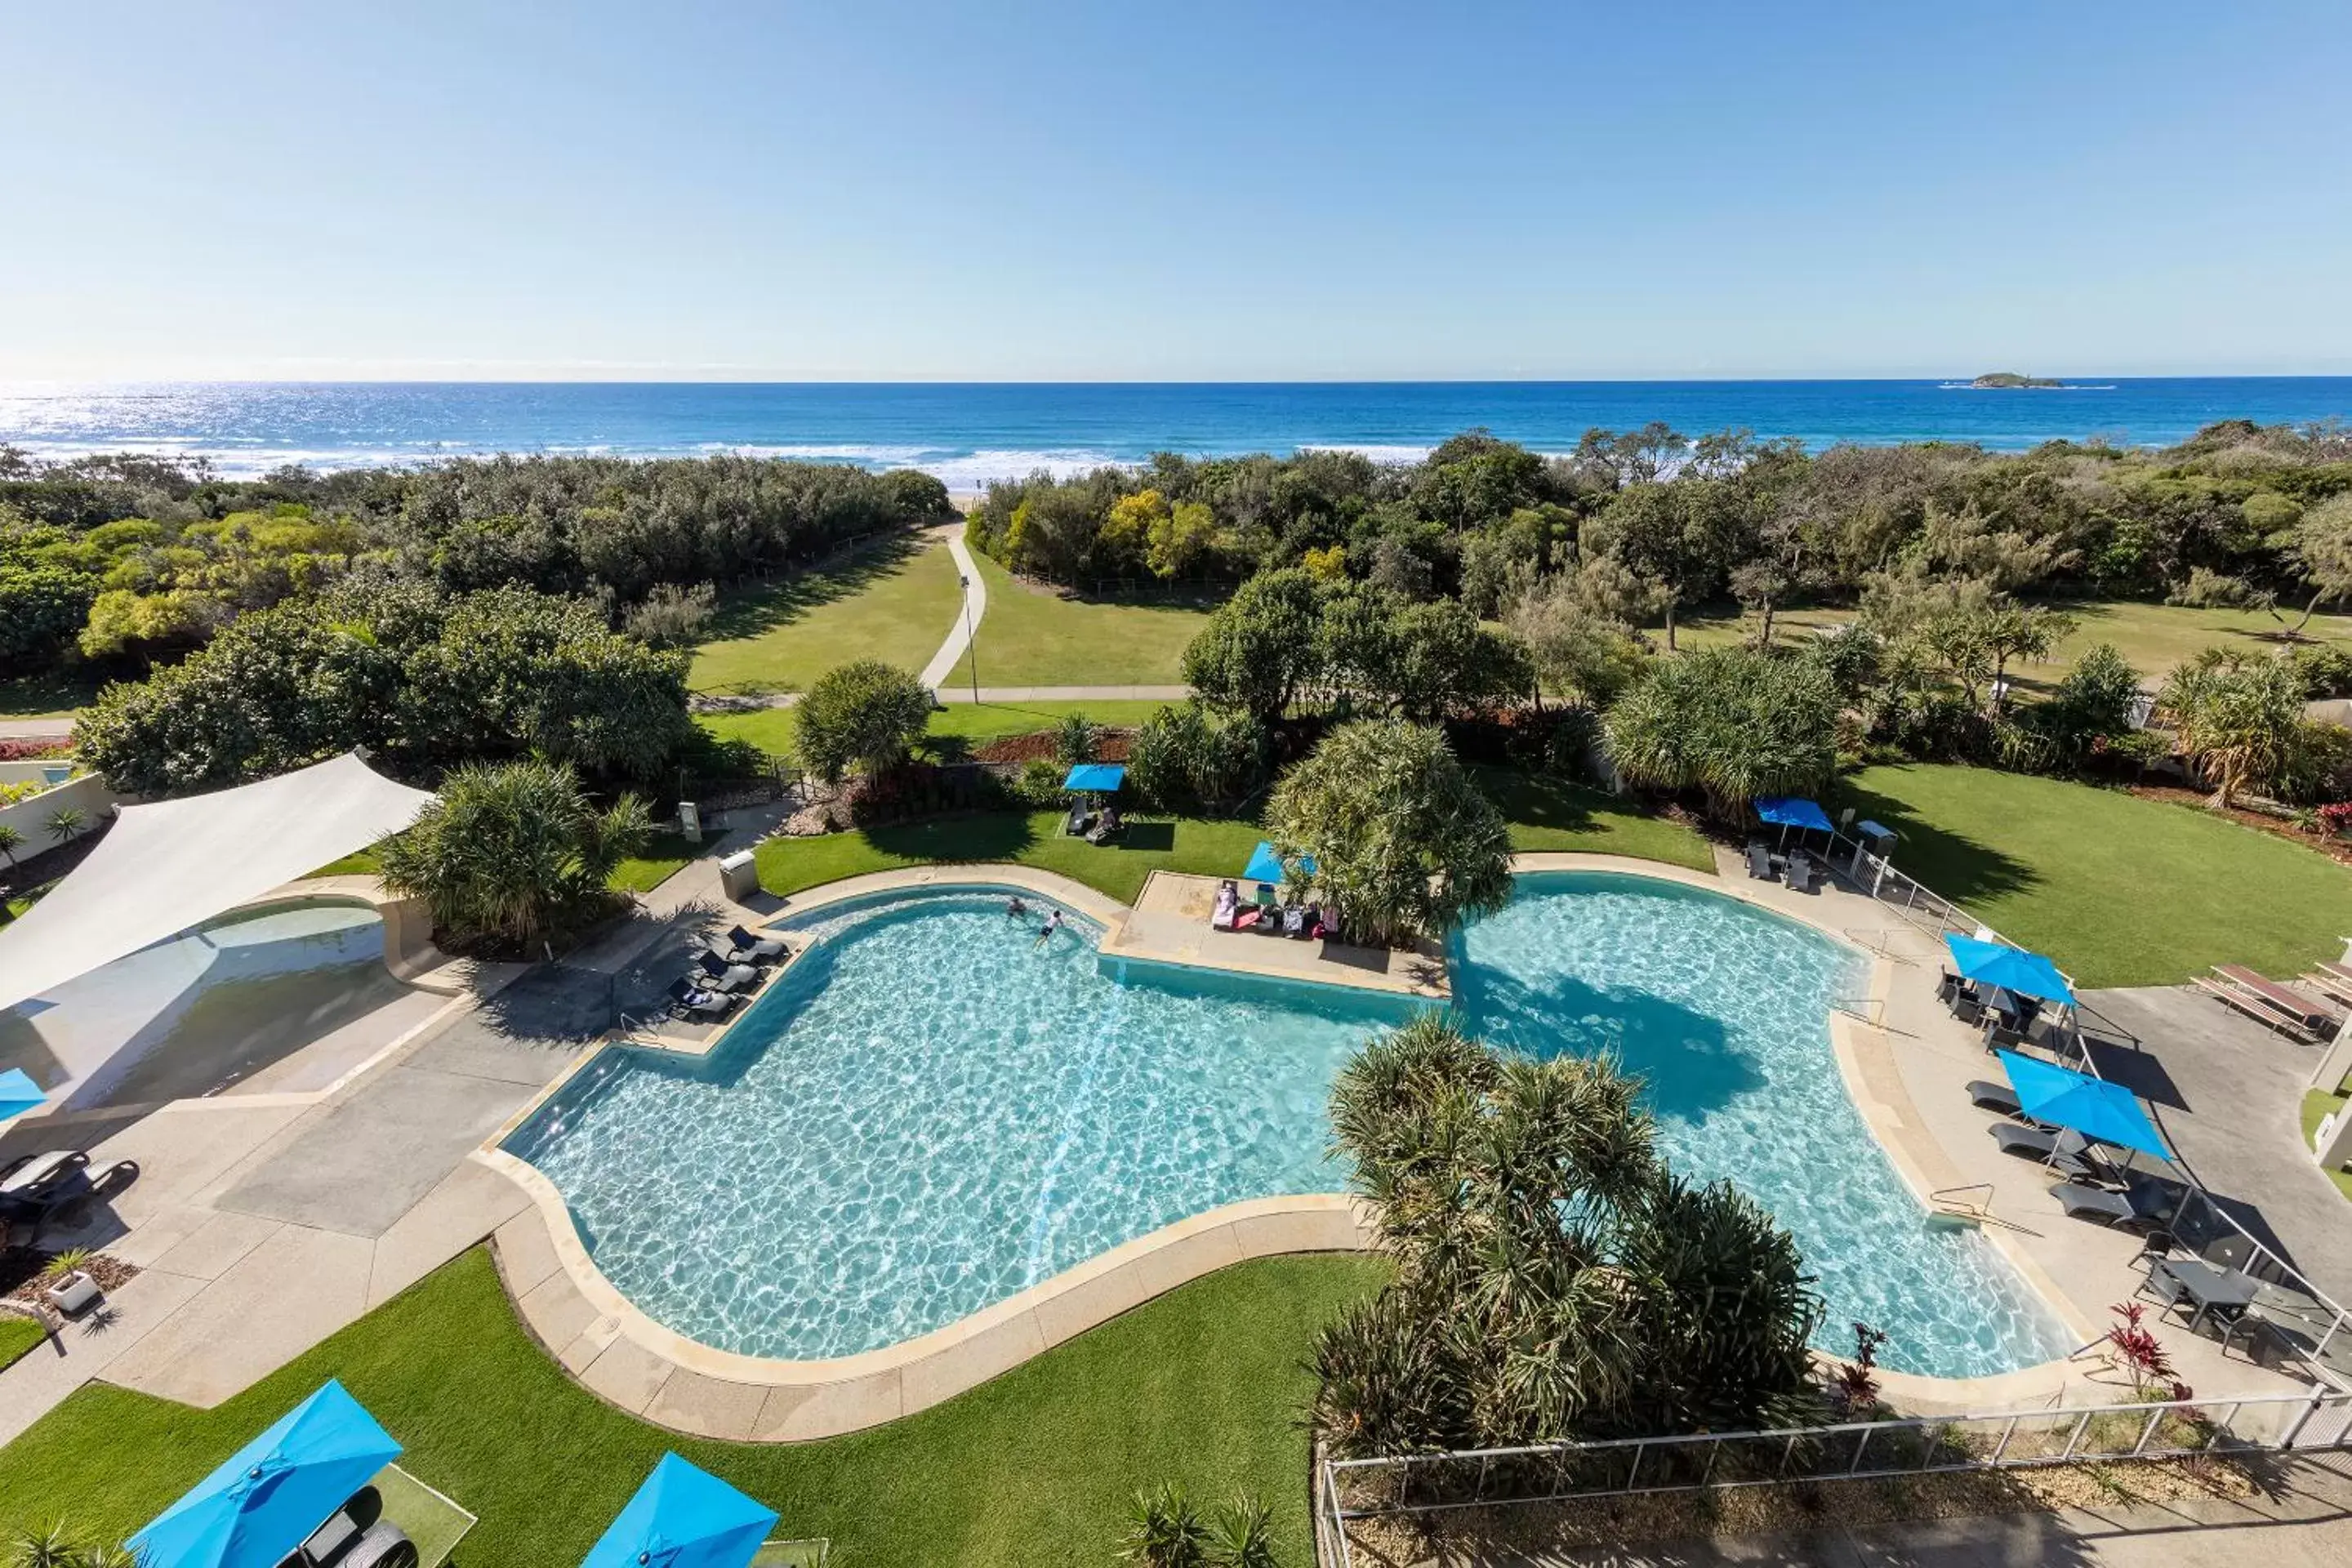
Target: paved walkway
(2227,1095)
(936,673)
(36,729)
(2304,1521)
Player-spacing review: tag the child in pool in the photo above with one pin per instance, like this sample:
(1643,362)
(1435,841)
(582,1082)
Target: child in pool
(1053,924)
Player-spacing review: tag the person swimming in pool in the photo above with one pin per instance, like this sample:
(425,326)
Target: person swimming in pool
(1053,924)
(1014,908)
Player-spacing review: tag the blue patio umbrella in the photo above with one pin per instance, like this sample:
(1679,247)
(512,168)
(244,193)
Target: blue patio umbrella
(2091,1106)
(2009,968)
(1265,866)
(18,1093)
(683,1518)
(1792,811)
(1096,778)
(271,1494)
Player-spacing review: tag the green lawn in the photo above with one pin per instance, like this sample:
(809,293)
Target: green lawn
(17,903)
(2153,637)
(665,854)
(1208,847)
(59,694)
(1204,1386)
(1033,638)
(1548,814)
(971,724)
(2119,890)
(2317,1104)
(894,604)
(17,1337)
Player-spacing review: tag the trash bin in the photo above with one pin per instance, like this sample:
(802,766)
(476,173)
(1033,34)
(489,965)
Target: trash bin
(738,875)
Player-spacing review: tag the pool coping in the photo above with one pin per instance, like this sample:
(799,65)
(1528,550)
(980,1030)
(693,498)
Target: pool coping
(618,1351)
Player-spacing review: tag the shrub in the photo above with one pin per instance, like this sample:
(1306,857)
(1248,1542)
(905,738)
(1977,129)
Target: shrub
(1039,784)
(513,854)
(1188,757)
(1074,739)
(2327,670)
(1732,723)
(868,713)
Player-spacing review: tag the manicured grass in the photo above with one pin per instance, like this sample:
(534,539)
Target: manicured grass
(1033,638)
(17,1337)
(1203,1386)
(17,903)
(894,604)
(954,727)
(1207,847)
(358,863)
(2119,890)
(2153,637)
(665,854)
(1548,814)
(2317,1105)
(59,694)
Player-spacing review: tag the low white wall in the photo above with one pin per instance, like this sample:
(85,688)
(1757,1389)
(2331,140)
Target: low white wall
(30,818)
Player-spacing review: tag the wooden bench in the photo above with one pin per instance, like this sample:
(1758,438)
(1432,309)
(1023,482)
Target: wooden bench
(2258,1007)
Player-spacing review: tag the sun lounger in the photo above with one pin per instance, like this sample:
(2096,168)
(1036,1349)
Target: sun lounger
(1994,1097)
(1294,921)
(2062,1149)
(720,975)
(2316,1016)
(690,1003)
(1802,876)
(751,949)
(1759,861)
(1229,903)
(2084,1202)
(48,1186)
(2254,1005)
(1077,821)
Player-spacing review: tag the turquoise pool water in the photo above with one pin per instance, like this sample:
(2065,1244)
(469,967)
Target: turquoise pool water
(931,1112)
(1723,1008)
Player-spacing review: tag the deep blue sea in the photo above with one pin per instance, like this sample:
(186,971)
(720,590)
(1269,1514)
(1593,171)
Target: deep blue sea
(968,433)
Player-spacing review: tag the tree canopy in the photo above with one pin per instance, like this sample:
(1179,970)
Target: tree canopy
(866,713)
(1732,723)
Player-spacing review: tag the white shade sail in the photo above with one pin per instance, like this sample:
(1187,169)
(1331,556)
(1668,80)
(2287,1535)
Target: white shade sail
(176,864)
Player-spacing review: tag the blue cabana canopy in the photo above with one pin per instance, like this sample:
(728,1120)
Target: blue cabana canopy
(683,1518)
(1265,866)
(1791,811)
(18,1093)
(271,1494)
(2092,1107)
(2011,968)
(1097,778)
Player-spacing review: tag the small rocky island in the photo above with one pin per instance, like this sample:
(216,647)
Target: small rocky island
(2006,378)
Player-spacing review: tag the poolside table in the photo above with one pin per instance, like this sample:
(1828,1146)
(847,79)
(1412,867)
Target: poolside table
(2223,1290)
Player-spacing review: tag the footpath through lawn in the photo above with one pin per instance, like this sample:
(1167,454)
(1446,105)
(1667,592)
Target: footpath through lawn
(1205,1386)
(1030,637)
(895,602)
(2119,890)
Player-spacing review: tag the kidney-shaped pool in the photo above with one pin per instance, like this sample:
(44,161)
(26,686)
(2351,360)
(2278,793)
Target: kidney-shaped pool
(931,1111)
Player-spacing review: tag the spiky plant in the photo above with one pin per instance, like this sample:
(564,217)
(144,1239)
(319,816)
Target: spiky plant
(11,840)
(1241,1535)
(1164,1530)
(64,822)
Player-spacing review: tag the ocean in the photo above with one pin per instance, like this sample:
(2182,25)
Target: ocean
(969,433)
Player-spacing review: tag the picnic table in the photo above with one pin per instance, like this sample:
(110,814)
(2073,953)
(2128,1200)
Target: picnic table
(2213,1289)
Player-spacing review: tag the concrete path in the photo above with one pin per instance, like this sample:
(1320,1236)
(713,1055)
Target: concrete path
(943,663)
(2304,1521)
(2227,1095)
(1007,695)
(36,729)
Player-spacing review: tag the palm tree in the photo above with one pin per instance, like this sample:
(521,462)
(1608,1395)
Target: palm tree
(2239,717)
(66,823)
(11,840)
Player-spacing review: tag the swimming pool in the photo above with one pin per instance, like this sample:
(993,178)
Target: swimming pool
(929,1113)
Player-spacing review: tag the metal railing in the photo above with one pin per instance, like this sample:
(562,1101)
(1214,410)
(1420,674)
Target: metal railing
(1349,1490)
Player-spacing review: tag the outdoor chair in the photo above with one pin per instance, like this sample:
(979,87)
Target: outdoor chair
(750,948)
(1759,861)
(2000,1032)
(1294,921)
(721,975)
(1802,876)
(1968,1006)
(691,1004)
(1229,899)
(1111,825)
(1074,825)
(1947,987)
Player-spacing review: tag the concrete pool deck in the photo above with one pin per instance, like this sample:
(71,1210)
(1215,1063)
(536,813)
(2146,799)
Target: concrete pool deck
(267,1222)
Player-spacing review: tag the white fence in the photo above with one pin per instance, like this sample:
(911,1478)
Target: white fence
(1348,1491)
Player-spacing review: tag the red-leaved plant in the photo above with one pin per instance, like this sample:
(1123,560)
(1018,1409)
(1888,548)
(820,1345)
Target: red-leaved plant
(2142,1355)
(1854,1389)
(25,750)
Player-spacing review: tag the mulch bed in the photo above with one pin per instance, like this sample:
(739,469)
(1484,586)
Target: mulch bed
(1111,746)
(1471,1536)
(21,1270)
(2335,849)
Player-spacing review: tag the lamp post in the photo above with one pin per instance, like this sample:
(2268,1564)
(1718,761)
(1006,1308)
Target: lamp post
(970,648)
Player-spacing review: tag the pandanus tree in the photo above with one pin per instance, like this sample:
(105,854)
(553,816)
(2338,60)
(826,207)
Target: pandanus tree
(1554,1278)
(1734,724)
(512,852)
(2239,717)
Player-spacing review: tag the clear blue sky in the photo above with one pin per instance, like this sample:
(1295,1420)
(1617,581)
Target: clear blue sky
(882,190)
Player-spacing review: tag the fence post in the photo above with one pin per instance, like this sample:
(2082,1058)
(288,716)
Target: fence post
(1860,1448)
(1631,1475)
(2155,1419)
(2075,1438)
(2002,1448)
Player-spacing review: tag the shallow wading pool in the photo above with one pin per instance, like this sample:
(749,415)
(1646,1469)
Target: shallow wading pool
(931,1111)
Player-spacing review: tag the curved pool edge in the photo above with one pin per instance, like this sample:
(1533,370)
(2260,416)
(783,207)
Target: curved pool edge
(616,1351)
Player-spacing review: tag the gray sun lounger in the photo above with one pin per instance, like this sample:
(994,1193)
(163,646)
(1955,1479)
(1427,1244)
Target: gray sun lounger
(721,975)
(749,949)
(1759,861)
(2129,1208)
(1996,1097)
(690,1002)
(1802,876)
(2062,1149)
